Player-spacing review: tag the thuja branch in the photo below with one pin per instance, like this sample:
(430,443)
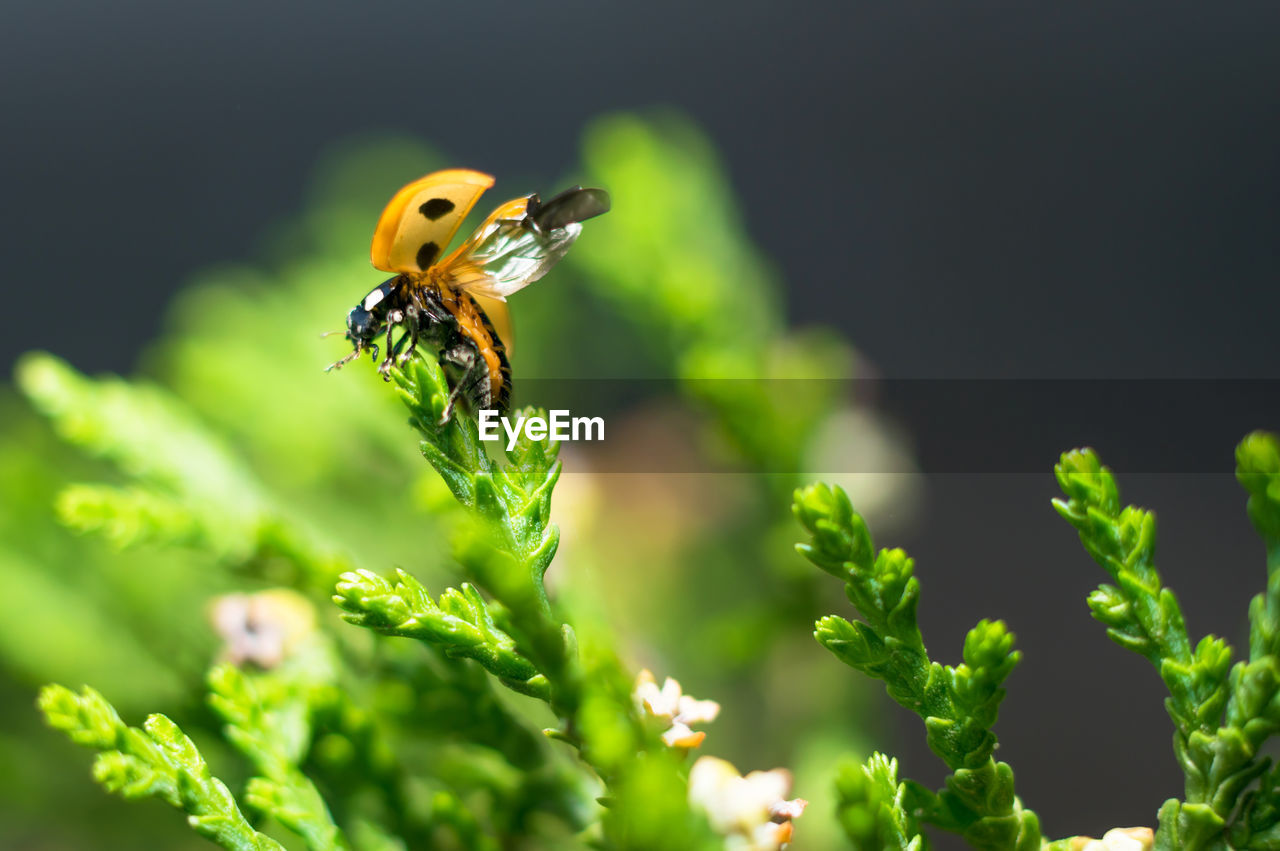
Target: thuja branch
(512,630)
(155,761)
(506,552)
(268,719)
(873,806)
(461,624)
(186,486)
(959,704)
(1222,714)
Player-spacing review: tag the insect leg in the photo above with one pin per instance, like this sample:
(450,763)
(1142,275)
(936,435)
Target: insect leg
(394,318)
(464,357)
(410,335)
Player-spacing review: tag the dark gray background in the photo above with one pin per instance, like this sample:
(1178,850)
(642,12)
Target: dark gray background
(985,190)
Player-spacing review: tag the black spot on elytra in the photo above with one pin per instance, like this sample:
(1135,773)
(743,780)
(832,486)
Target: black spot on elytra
(427,254)
(436,207)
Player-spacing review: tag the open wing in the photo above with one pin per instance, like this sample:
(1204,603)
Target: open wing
(421,219)
(520,242)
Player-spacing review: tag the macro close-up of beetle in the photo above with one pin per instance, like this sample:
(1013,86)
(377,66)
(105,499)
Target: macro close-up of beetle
(810,503)
(457,304)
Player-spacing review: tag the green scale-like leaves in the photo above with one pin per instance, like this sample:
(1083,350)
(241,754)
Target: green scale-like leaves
(875,810)
(155,761)
(461,624)
(512,629)
(958,704)
(1222,714)
(511,540)
(502,619)
(189,489)
(268,719)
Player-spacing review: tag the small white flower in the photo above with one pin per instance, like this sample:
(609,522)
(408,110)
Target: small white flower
(1117,839)
(261,628)
(670,705)
(751,812)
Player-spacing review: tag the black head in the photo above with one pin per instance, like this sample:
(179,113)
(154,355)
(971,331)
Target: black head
(367,320)
(362,326)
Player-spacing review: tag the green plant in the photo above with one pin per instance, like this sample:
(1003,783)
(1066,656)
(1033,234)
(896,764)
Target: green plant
(231,467)
(307,698)
(235,477)
(1222,714)
(958,704)
(297,717)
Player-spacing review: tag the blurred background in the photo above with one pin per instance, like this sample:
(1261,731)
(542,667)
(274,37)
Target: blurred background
(1029,227)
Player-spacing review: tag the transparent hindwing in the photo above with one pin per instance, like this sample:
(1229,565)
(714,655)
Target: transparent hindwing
(520,241)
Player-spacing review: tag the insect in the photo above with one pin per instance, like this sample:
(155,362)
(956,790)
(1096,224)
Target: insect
(439,301)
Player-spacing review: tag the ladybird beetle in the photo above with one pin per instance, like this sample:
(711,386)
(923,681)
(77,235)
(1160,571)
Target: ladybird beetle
(439,301)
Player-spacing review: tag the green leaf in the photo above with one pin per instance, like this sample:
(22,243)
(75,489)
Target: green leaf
(1258,471)
(156,761)
(1222,714)
(875,810)
(460,624)
(957,704)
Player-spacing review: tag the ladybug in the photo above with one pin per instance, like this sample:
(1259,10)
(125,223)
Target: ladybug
(447,302)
